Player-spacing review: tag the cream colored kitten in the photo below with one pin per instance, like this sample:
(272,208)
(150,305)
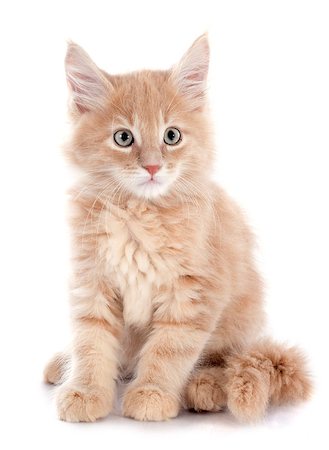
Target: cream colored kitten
(164,286)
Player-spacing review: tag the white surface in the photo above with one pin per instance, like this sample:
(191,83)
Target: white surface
(269,87)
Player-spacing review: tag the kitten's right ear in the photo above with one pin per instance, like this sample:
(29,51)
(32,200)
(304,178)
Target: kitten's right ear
(89,87)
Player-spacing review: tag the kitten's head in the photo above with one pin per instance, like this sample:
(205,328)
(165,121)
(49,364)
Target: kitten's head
(145,132)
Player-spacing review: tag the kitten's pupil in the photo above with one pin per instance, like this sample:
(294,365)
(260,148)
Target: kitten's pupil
(171,135)
(124,136)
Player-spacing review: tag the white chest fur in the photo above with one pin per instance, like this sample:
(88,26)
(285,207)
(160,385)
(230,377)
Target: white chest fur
(136,260)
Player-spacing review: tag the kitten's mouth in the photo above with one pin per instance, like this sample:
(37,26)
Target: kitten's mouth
(150,182)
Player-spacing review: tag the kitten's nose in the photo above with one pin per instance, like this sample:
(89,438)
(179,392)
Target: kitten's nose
(152,169)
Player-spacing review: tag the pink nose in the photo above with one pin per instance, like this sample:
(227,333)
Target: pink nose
(152,169)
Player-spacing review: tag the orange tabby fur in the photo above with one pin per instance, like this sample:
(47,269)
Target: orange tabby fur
(164,287)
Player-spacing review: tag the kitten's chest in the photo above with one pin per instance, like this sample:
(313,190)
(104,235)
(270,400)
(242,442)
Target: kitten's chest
(141,255)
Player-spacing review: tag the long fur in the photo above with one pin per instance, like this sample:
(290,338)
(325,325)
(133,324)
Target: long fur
(164,287)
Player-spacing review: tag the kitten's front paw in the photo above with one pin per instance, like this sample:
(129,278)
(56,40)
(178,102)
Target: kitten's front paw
(83,403)
(149,402)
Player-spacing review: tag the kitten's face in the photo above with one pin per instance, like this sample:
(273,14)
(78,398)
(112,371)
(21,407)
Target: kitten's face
(145,132)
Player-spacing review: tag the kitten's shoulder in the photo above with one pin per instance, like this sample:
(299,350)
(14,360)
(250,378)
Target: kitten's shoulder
(227,208)
(222,199)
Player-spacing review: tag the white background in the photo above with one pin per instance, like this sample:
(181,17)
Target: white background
(269,90)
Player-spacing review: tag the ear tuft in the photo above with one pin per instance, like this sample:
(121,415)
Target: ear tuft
(89,87)
(190,74)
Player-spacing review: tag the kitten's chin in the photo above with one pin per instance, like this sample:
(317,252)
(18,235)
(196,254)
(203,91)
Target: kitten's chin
(151,189)
(145,187)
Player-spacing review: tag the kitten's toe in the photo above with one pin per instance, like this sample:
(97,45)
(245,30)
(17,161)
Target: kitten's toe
(149,402)
(83,403)
(204,391)
(56,368)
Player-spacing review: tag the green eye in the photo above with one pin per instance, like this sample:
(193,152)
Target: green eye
(172,136)
(124,138)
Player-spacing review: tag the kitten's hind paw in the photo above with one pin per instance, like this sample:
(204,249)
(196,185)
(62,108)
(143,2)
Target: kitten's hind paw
(204,391)
(149,402)
(83,403)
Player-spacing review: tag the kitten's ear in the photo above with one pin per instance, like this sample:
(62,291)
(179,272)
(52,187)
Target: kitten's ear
(89,87)
(191,73)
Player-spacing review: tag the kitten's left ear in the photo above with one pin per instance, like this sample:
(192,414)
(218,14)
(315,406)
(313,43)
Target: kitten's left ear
(190,74)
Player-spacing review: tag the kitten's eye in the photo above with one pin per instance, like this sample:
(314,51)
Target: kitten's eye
(172,136)
(124,138)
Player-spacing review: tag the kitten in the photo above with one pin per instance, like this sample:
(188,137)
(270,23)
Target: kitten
(164,287)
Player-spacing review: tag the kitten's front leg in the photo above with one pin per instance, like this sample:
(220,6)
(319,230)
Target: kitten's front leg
(89,390)
(181,327)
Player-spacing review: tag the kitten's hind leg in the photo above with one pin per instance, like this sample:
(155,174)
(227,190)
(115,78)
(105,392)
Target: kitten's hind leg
(57,367)
(205,390)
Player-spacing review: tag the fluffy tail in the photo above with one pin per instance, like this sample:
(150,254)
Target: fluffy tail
(265,373)
(57,368)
